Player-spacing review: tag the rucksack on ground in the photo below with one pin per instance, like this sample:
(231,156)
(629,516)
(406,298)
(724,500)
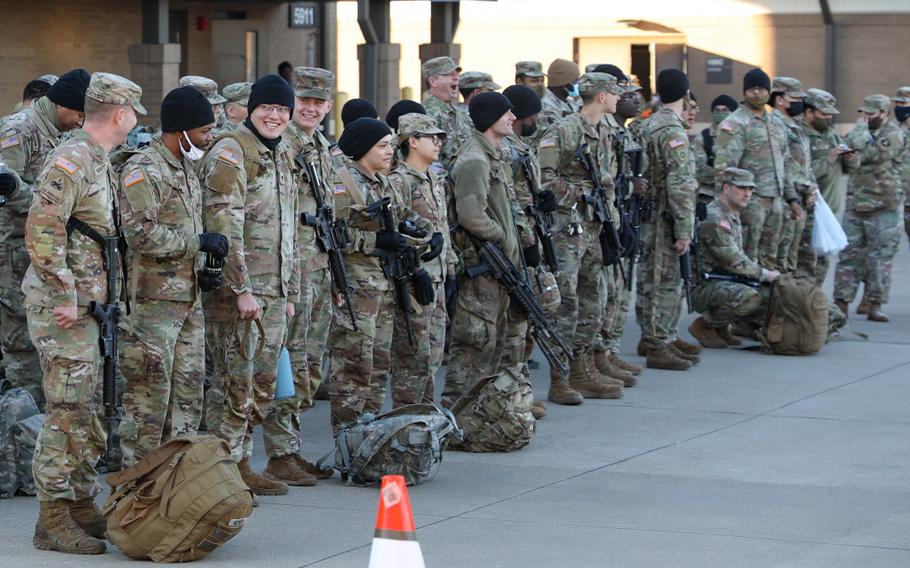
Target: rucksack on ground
(20,423)
(179,503)
(495,415)
(796,322)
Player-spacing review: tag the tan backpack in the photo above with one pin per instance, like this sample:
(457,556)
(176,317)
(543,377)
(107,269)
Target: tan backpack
(495,415)
(179,503)
(796,322)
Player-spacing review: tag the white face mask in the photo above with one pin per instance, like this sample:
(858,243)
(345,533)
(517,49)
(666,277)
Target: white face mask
(194,153)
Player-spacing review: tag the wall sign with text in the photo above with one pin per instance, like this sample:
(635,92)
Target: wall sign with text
(302,15)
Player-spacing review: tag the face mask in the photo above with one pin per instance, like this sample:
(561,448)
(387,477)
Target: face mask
(572,90)
(902,113)
(758,103)
(194,153)
(539,90)
(876,123)
(627,108)
(821,124)
(719,116)
(528,129)
(796,108)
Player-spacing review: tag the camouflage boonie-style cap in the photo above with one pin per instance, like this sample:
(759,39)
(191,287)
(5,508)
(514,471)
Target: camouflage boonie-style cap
(822,100)
(875,103)
(788,86)
(237,93)
(438,66)
(414,123)
(477,80)
(597,82)
(115,90)
(903,95)
(205,86)
(314,83)
(739,177)
(529,68)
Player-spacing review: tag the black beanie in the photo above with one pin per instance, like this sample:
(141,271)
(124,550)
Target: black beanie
(185,108)
(69,90)
(271,90)
(486,108)
(672,85)
(361,135)
(525,102)
(357,108)
(725,100)
(756,78)
(401,108)
(611,69)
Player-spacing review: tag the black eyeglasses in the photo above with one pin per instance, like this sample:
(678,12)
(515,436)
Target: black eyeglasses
(438,139)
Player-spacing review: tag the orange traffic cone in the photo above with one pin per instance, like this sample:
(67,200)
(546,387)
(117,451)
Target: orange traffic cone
(395,541)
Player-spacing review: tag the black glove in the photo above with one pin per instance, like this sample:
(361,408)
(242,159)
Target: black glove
(532,256)
(209,281)
(423,287)
(451,287)
(546,201)
(7,183)
(411,229)
(390,240)
(214,243)
(436,243)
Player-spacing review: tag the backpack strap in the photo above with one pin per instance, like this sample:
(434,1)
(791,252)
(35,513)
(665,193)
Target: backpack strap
(148,464)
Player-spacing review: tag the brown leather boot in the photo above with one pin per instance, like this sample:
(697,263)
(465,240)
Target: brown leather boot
(706,335)
(863,308)
(625,365)
(876,313)
(663,358)
(88,517)
(724,333)
(843,306)
(694,359)
(584,378)
(312,468)
(284,468)
(611,371)
(538,409)
(686,347)
(742,329)
(258,484)
(642,348)
(56,530)
(561,392)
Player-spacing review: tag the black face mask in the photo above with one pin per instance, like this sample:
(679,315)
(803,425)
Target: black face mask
(528,129)
(796,108)
(876,123)
(902,113)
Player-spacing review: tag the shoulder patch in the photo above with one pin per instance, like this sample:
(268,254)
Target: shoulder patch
(725,225)
(228,156)
(727,126)
(135,176)
(547,143)
(66,165)
(9,142)
(677,142)
(336,151)
(340,188)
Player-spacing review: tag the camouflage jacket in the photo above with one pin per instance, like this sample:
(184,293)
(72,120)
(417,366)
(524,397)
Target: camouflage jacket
(799,166)
(161,216)
(553,110)
(704,171)
(227,126)
(26,138)
(905,157)
(828,173)
(720,243)
(757,144)
(514,151)
(671,173)
(876,184)
(457,125)
(68,271)
(257,213)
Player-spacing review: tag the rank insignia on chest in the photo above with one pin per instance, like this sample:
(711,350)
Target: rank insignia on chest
(135,177)
(229,157)
(66,165)
(9,142)
(677,142)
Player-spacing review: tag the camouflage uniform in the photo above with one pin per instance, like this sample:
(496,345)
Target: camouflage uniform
(209,88)
(456,124)
(704,164)
(258,215)
(162,345)
(235,93)
(903,96)
(553,110)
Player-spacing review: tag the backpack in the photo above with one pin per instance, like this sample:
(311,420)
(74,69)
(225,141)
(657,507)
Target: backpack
(406,441)
(20,424)
(796,322)
(179,503)
(496,414)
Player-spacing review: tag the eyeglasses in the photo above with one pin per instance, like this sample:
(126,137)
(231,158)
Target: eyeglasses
(438,139)
(280,109)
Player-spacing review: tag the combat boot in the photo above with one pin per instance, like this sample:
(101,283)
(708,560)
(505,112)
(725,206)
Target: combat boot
(285,469)
(538,409)
(706,335)
(642,348)
(724,333)
(694,359)
(584,378)
(876,313)
(663,358)
(625,365)
(258,484)
(56,530)
(686,347)
(312,468)
(609,370)
(843,306)
(743,329)
(561,392)
(88,517)
(863,308)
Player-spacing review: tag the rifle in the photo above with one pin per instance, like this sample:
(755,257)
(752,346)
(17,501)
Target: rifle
(597,199)
(685,263)
(726,277)
(332,234)
(398,266)
(542,221)
(638,209)
(496,263)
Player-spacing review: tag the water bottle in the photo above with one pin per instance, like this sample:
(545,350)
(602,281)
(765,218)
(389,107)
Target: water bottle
(284,387)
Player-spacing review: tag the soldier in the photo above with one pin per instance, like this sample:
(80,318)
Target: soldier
(873,217)
(471,83)
(26,138)
(34,90)
(208,88)
(441,77)
(401,108)
(163,341)
(562,78)
(357,108)
(752,139)
(250,197)
(720,250)
(308,331)
(237,95)
(582,277)
(704,144)
(530,74)
(666,234)
(67,274)
(902,115)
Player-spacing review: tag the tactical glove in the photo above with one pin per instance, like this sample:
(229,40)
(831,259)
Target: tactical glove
(546,201)
(390,240)
(214,243)
(423,287)
(532,256)
(209,281)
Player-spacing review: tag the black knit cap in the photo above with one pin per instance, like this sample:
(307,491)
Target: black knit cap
(357,108)
(756,78)
(401,108)
(69,90)
(361,135)
(486,108)
(611,69)
(185,108)
(271,90)
(525,102)
(672,85)
(725,100)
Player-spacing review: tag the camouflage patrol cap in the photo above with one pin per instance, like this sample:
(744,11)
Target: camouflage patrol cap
(238,93)
(788,86)
(49,79)
(115,90)
(477,80)
(414,123)
(903,95)
(739,177)
(822,100)
(313,83)
(204,85)
(599,82)
(438,66)
(529,68)
(875,103)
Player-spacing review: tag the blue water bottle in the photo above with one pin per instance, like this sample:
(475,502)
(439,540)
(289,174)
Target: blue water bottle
(285,382)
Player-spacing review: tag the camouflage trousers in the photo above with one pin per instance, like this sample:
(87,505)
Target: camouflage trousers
(619,299)
(788,249)
(582,282)
(413,369)
(361,360)
(162,359)
(907,217)
(659,296)
(19,355)
(73,438)
(872,242)
(243,380)
(807,262)
(308,336)
(763,221)
(721,303)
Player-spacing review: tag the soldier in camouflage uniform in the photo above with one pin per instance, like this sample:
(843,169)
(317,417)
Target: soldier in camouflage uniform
(530,74)
(874,206)
(209,88)
(308,331)
(66,275)
(250,196)
(26,138)
(440,75)
(902,115)
(703,146)
(236,96)
(562,78)
(471,83)
(163,339)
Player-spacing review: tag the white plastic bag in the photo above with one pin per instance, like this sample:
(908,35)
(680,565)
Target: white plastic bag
(828,237)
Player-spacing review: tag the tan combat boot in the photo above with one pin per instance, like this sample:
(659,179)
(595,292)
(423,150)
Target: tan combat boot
(642,348)
(312,468)
(625,365)
(258,484)
(664,358)
(56,530)
(863,307)
(284,468)
(538,409)
(694,359)
(584,378)
(843,306)
(724,333)
(686,347)
(876,313)
(706,335)
(88,517)
(560,391)
(610,371)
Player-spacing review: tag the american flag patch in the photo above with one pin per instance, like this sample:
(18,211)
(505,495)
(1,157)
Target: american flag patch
(229,157)
(136,176)
(677,142)
(340,188)
(726,126)
(9,142)
(725,225)
(548,143)
(66,165)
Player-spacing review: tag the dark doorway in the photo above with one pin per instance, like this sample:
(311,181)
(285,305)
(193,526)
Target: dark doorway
(641,67)
(178,30)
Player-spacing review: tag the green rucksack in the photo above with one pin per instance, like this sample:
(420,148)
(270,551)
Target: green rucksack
(20,424)
(796,321)
(496,414)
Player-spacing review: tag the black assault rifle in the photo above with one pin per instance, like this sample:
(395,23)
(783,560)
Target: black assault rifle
(542,221)
(685,262)
(638,209)
(611,247)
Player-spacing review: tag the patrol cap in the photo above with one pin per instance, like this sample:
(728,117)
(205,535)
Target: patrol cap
(788,86)
(115,90)
(562,72)
(875,103)
(414,123)
(314,83)
(477,80)
(599,82)
(591,67)
(442,65)
(739,177)
(49,79)
(822,100)
(204,85)
(238,93)
(903,95)
(529,68)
